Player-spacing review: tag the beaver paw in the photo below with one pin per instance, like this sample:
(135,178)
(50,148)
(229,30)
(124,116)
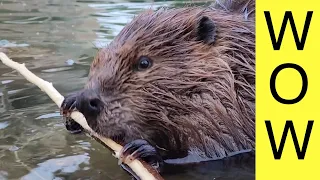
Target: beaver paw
(67,106)
(72,126)
(140,149)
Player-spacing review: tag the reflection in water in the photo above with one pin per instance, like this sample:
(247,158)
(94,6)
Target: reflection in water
(4,124)
(47,169)
(118,15)
(57,40)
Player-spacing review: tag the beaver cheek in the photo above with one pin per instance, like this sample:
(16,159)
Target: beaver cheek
(90,105)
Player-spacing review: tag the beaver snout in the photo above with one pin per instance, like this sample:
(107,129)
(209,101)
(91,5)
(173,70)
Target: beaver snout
(89,104)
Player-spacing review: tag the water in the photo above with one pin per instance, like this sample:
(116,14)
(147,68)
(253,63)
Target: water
(57,40)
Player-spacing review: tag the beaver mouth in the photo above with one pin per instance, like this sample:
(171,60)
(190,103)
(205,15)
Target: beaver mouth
(113,133)
(102,117)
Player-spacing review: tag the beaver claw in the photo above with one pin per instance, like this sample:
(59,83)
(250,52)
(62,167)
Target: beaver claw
(67,106)
(140,149)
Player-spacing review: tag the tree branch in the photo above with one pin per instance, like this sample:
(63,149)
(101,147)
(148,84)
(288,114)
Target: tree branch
(140,168)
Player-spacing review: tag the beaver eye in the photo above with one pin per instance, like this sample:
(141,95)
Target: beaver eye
(144,63)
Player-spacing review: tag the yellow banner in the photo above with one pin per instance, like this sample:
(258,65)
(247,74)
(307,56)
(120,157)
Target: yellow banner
(288,89)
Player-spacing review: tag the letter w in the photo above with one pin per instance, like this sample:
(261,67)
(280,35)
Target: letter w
(289,125)
(288,16)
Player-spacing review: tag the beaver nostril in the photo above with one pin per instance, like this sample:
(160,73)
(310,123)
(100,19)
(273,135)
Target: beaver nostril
(89,104)
(94,104)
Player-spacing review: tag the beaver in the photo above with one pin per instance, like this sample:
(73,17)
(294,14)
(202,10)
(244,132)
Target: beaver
(176,85)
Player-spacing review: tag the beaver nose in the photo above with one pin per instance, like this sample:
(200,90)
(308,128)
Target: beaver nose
(89,104)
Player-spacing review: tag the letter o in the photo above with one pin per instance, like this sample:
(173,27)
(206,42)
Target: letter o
(273,83)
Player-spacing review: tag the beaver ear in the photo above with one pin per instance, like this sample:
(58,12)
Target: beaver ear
(206,30)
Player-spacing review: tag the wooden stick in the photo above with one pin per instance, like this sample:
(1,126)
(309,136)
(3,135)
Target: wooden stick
(140,168)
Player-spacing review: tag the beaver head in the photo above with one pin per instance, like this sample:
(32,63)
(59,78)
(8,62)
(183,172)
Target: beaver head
(181,79)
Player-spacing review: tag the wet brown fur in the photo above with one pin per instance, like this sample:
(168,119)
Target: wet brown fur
(196,97)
